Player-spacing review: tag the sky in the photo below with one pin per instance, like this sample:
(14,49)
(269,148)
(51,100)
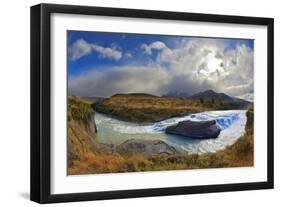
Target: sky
(102,64)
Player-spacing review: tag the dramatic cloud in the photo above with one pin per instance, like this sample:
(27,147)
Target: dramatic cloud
(194,66)
(81,48)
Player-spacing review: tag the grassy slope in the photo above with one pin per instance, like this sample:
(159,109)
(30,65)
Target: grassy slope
(80,136)
(91,157)
(147,108)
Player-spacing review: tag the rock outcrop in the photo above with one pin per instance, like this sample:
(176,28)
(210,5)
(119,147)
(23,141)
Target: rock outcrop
(146,147)
(196,130)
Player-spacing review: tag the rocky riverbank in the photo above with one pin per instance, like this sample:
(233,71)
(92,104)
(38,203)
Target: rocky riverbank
(147,148)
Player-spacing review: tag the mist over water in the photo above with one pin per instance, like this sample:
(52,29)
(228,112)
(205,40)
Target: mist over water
(232,123)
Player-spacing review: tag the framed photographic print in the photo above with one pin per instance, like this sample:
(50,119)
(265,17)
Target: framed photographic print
(132,103)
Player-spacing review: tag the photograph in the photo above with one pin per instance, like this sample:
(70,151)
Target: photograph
(154,102)
(133,103)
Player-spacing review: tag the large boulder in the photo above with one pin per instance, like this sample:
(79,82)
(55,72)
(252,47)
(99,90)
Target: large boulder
(196,130)
(146,147)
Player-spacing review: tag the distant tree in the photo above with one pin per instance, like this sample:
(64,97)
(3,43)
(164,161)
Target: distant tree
(201,100)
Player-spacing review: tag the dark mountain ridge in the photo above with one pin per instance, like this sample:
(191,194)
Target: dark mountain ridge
(211,95)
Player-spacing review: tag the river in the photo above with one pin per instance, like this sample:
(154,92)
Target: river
(232,123)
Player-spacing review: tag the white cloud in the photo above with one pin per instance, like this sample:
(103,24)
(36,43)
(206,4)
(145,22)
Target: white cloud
(81,48)
(195,65)
(128,55)
(158,45)
(107,52)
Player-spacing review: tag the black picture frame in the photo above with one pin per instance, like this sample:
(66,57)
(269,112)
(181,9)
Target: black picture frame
(41,98)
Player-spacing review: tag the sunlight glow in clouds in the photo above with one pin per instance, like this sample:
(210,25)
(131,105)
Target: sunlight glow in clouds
(194,65)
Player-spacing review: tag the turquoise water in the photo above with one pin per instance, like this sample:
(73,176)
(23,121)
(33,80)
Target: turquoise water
(232,123)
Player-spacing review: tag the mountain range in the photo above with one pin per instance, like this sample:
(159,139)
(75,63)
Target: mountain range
(207,95)
(211,95)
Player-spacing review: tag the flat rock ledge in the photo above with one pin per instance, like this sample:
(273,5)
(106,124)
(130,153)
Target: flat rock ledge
(146,148)
(195,130)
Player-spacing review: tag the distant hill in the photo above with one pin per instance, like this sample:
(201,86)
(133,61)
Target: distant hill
(147,108)
(142,107)
(211,95)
